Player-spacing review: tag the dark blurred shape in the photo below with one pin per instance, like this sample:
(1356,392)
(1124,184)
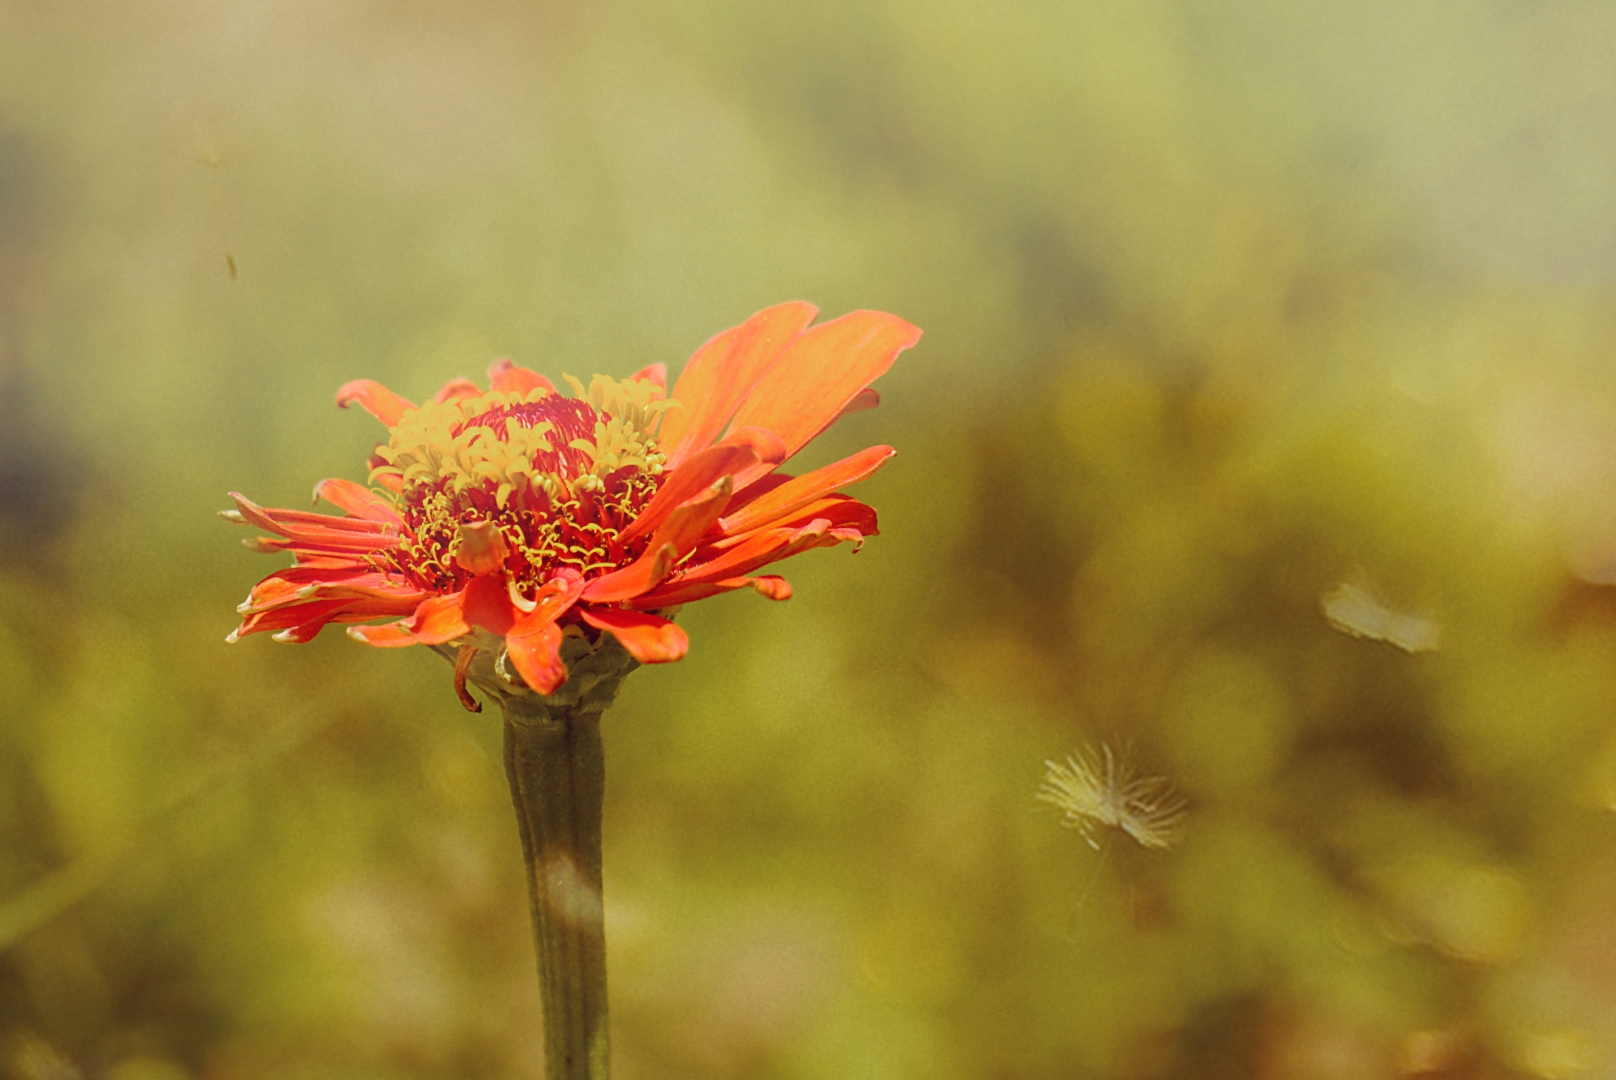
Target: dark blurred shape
(35,501)
(36,482)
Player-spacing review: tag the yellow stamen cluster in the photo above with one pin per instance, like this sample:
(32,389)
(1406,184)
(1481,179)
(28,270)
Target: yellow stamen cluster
(450,445)
(557,478)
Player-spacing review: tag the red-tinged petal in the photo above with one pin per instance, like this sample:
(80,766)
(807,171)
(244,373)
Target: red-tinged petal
(349,611)
(438,620)
(757,550)
(386,636)
(487,604)
(863,401)
(282,617)
(672,595)
(718,377)
(650,639)
(669,596)
(389,600)
(314,560)
(359,501)
(533,642)
(458,387)
(375,399)
(688,481)
(841,511)
(318,530)
(537,658)
(656,375)
(551,601)
(822,372)
(301,584)
(507,377)
(673,540)
(805,489)
(310,553)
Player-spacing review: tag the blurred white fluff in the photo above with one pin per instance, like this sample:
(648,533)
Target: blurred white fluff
(1355,607)
(1097,789)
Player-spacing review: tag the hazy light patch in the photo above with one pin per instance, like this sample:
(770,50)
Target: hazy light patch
(1358,608)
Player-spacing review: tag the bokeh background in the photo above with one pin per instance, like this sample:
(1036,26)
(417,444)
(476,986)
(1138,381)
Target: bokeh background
(1226,302)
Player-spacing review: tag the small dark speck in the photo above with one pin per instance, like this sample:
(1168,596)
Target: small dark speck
(230,261)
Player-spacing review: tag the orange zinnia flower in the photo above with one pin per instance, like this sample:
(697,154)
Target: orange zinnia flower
(508,517)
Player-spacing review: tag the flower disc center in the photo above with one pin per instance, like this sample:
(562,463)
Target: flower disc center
(559,478)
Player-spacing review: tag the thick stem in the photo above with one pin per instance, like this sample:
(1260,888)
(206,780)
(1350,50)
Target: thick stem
(555,764)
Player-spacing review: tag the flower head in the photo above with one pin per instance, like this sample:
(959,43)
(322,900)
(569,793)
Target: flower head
(505,520)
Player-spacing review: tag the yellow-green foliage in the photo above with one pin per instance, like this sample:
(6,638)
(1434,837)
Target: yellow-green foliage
(1228,305)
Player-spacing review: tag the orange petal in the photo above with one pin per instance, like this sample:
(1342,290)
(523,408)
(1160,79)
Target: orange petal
(759,549)
(655,374)
(487,603)
(375,399)
(770,448)
(673,540)
(822,372)
(771,585)
(650,639)
(718,377)
(840,511)
(306,531)
(359,501)
(438,620)
(687,482)
(458,387)
(282,618)
(798,493)
(508,377)
(863,401)
(386,636)
(537,658)
(775,588)
(551,601)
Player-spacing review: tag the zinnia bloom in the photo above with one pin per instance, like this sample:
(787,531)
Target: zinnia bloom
(505,519)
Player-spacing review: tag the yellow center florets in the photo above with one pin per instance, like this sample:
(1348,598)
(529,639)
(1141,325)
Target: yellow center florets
(559,478)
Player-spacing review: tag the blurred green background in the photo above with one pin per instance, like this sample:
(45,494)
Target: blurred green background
(1225,303)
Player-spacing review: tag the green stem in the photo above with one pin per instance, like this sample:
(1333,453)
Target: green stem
(556,767)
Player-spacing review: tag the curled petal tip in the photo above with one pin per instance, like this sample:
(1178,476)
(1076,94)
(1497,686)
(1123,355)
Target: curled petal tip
(233,516)
(234,636)
(775,588)
(375,399)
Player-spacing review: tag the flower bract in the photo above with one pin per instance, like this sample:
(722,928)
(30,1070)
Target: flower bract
(505,518)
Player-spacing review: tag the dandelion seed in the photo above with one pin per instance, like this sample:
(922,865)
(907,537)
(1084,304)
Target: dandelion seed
(1096,789)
